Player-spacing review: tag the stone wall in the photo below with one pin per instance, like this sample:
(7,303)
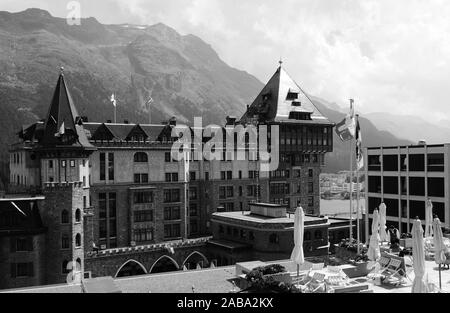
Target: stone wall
(109,262)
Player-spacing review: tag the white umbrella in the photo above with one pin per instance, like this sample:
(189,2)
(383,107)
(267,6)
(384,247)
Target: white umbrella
(428,219)
(373,253)
(384,236)
(419,285)
(297,254)
(439,246)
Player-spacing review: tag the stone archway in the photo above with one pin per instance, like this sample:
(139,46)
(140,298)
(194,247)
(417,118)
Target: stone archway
(194,259)
(131,268)
(164,264)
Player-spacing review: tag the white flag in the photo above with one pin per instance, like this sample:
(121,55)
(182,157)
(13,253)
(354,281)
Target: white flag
(359,153)
(113,100)
(186,166)
(149,101)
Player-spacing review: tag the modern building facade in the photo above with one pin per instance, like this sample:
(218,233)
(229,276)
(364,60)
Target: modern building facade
(404,178)
(119,186)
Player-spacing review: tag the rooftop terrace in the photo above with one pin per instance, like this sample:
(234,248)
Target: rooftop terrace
(218,280)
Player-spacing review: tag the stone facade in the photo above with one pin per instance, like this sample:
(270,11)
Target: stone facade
(60,197)
(35,257)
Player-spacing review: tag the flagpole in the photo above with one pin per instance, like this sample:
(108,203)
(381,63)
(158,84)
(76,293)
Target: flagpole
(357,209)
(351,191)
(186,194)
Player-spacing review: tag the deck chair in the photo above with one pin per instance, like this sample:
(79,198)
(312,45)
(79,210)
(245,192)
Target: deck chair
(380,267)
(394,270)
(337,271)
(317,266)
(317,281)
(335,280)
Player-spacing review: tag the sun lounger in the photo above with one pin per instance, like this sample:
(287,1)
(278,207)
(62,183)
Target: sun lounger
(335,280)
(316,282)
(317,266)
(395,271)
(379,267)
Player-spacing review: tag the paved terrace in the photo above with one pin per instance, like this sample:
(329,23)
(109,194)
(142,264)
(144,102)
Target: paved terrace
(218,280)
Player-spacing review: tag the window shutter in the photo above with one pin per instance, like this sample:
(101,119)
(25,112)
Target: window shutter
(13,244)
(13,270)
(30,269)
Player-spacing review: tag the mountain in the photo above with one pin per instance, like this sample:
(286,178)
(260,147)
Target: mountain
(184,76)
(371,136)
(411,127)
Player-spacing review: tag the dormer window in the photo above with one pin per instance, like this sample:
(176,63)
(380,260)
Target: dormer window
(292,95)
(296,103)
(299,116)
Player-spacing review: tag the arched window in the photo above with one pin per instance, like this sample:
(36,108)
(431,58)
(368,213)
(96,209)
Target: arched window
(307,235)
(318,234)
(64,268)
(273,238)
(65,243)
(64,217)
(140,157)
(78,240)
(78,264)
(78,215)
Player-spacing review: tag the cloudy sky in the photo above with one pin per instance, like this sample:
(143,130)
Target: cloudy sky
(391,56)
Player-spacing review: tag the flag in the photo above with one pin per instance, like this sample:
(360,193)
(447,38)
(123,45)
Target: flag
(345,129)
(359,153)
(149,101)
(186,166)
(113,100)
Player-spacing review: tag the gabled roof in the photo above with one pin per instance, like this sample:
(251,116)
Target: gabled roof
(119,131)
(273,103)
(62,115)
(137,131)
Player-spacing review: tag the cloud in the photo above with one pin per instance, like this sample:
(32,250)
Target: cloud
(389,56)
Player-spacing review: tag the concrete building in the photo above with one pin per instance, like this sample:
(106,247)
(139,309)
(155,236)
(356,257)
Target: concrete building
(404,177)
(264,233)
(121,189)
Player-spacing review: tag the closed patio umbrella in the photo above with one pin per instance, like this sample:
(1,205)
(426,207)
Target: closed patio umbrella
(419,285)
(428,219)
(373,253)
(297,254)
(383,234)
(439,246)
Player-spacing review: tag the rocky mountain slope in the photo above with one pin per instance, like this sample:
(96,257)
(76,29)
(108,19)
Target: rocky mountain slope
(183,74)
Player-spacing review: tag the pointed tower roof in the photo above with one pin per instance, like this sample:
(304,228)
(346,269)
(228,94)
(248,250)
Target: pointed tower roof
(282,100)
(63,125)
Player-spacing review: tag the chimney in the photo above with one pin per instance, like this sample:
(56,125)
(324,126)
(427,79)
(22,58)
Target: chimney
(231,120)
(173,121)
(108,121)
(85,119)
(422,142)
(125,122)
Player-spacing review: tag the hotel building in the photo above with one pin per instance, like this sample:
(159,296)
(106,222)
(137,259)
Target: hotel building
(404,177)
(109,185)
